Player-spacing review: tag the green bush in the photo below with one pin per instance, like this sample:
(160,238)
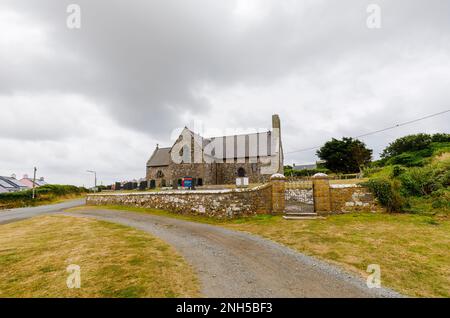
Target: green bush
(397,171)
(441,199)
(368,171)
(388,193)
(46,193)
(440,138)
(406,144)
(411,150)
(411,159)
(424,180)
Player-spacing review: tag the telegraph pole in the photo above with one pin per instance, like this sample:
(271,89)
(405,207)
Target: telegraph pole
(34,183)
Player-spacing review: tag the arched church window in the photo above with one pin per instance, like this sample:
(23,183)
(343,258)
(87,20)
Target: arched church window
(185,154)
(241,172)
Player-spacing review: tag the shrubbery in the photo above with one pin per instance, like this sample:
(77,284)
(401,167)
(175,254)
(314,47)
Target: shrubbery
(388,193)
(397,186)
(424,180)
(411,159)
(397,171)
(46,193)
(441,199)
(413,147)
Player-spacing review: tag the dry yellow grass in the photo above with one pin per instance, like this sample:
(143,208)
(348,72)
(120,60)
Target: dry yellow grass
(115,261)
(442,157)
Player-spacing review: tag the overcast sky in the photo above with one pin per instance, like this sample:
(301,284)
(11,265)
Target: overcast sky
(101,97)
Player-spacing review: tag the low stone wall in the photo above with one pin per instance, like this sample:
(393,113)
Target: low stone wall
(341,198)
(352,198)
(299,195)
(215,203)
(266,199)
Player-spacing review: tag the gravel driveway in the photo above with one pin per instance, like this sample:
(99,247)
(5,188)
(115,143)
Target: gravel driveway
(235,264)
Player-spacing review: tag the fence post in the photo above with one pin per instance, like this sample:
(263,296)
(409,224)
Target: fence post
(321,193)
(278,197)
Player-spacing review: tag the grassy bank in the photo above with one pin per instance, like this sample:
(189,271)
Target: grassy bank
(114,260)
(47,194)
(413,175)
(412,250)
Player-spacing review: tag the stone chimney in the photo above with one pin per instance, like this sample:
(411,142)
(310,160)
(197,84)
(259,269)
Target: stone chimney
(276,121)
(276,126)
(13,176)
(25,176)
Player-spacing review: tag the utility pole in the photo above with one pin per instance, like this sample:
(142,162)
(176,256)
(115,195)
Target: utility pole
(95,178)
(34,183)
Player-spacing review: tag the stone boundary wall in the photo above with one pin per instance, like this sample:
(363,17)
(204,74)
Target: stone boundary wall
(341,198)
(269,198)
(215,203)
(347,198)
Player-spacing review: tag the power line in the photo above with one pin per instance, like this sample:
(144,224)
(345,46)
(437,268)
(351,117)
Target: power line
(381,130)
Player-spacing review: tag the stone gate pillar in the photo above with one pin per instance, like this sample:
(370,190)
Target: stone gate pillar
(278,198)
(321,193)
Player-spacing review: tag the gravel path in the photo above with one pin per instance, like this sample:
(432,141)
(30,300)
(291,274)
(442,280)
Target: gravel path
(235,264)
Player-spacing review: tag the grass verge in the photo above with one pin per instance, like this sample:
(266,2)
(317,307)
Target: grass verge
(412,250)
(115,260)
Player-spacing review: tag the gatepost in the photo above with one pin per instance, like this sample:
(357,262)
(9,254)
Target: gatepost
(278,197)
(321,193)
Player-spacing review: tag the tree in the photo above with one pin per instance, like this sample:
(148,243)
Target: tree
(408,143)
(347,155)
(440,137)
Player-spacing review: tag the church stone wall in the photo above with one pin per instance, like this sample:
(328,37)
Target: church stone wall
(204,171)
(210,173)
(213,203)
(229,171)
(153,174)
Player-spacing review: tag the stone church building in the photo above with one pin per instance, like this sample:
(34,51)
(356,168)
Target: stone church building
(217,160)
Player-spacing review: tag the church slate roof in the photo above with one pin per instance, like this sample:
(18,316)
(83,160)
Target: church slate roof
(159,158)
(258,138)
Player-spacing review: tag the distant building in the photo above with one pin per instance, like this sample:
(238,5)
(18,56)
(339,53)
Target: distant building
(11,184)
(304,167)
(29,181)
(307,166)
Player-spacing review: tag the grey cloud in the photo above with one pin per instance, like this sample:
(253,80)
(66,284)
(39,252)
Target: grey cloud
(144,62)
(144,59)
